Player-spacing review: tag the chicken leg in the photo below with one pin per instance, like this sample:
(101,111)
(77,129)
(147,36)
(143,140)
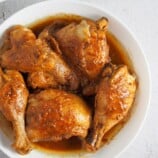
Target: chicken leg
(114,98)
(13,100)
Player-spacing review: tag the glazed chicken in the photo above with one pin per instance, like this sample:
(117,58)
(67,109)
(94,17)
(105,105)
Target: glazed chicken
(28,54)
(60,74)
(84,45)
(114,98)
(22,52)
(55,115)
(13,100)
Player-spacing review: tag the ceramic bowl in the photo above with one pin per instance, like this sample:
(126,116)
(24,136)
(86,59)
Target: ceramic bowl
(133,126)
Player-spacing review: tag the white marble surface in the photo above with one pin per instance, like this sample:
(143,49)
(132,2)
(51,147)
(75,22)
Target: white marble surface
(142,18)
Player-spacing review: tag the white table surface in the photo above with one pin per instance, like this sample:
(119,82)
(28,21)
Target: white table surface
(141,16)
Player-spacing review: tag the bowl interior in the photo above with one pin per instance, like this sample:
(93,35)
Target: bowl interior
(126,135)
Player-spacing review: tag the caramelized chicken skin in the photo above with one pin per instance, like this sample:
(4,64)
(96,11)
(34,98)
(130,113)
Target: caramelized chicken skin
(28,54)
(22,54)
(84,45)
(13,100)
(41,79)
(90,89)
(55,115)
(114,98)
(54,68)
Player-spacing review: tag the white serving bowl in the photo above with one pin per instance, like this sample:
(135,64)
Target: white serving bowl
(132,127)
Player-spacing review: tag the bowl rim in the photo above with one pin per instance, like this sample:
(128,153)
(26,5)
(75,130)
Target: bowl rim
(105,10)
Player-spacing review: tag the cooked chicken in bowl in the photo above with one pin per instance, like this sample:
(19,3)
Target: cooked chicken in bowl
(62,81)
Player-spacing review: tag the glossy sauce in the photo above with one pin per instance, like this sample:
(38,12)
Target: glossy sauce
(72,144)
(118,56)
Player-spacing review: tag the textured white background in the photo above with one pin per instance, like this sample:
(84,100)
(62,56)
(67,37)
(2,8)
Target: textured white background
(141,16)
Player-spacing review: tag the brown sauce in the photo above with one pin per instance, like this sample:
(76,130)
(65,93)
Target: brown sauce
(38,25)
(72,144)
(118,56)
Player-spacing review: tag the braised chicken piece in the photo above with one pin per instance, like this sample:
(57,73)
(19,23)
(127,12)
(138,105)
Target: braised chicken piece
(84,46)
(114,98)
(53,115)
(13,100)
(60,74)
(54,69)
(28,54)
(22,53)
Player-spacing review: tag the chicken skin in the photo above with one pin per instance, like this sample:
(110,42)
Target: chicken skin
(28,54)
(22,53)
(55,115)
(13,100)
(56,70)
(42,79)
(114,98)
(84,45)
